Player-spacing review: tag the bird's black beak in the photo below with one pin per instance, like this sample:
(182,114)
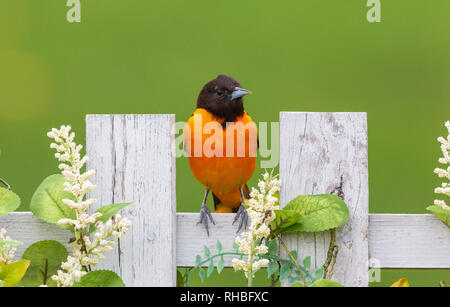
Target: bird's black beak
(239,92)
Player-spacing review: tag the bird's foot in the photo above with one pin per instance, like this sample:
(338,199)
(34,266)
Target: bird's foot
(205,213)
(241,215)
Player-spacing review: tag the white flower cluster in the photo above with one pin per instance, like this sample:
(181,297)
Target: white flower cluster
(85,251)
(6,252)
(444,173)
(77,183)
(260,211)
(71,272)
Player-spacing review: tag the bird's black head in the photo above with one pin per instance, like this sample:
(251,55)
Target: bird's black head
(222,97)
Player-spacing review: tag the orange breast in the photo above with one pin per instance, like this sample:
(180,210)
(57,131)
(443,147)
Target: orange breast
(222,159)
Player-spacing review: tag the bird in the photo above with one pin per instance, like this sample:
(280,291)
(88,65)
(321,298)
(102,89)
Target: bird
(221,140)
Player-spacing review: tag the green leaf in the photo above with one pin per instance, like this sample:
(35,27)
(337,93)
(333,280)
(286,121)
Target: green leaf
(298,284)
(285,271)
(320,212)
(207,252)
(283,219)
(100,278)
(326,283)
(318,274)
(46,258)
(272,267)
(220,265)
(307,262)
(198,259)
(9,201)
(201,273)
(273,247)
(46,202)
(219,246)
(107,212)
(294,254)
(13,272)
(210,268)
(440,213)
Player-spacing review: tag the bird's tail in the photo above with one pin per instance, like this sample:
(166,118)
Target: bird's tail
(229,202)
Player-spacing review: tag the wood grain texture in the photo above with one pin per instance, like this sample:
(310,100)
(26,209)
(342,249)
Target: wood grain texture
(409,241)
(191,238)
(25,227)
(133,156)
(319,152)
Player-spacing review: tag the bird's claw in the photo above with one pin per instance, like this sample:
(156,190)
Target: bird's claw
(241,215)
(205,213)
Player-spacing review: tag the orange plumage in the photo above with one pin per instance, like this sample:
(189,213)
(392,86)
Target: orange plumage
(223,175)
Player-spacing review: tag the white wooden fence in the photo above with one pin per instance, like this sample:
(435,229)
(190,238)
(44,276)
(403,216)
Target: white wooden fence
(135,162)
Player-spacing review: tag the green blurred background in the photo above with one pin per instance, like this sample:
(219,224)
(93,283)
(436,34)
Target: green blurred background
(154,56)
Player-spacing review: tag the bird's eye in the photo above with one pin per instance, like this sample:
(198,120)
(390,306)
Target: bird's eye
(219,92)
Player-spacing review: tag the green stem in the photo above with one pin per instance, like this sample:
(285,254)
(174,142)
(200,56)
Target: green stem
(336,250)
(214,256)
(83,248)
(329,253)
(293,260)
(265,256)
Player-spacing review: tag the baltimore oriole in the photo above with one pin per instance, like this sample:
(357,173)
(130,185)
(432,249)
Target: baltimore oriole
(221,141)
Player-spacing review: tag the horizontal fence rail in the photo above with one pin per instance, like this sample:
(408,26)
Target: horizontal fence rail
(395,240)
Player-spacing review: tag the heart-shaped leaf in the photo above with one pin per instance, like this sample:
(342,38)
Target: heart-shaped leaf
(320,212)
(46,258)
(46,202)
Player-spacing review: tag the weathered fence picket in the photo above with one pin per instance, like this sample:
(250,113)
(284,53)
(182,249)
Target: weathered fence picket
(134,162)
(319,153)
(134,159)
